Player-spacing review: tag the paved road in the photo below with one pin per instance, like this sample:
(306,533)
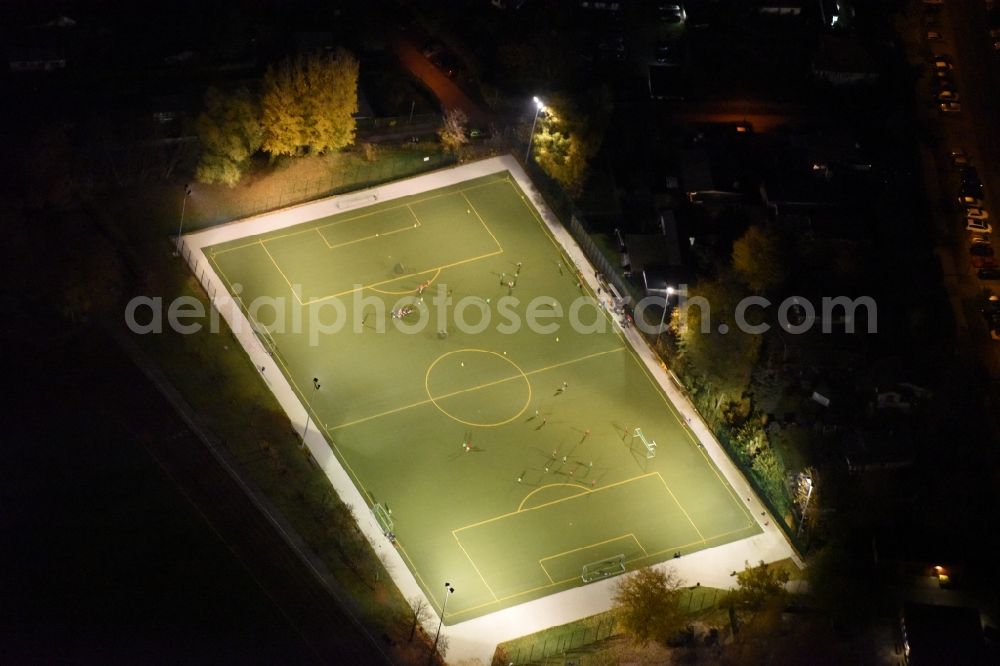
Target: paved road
(763,116)
(977,130)
(449,95)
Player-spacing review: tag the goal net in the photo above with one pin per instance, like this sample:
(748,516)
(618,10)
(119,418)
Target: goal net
(648,443)
(609,566)
(383,518)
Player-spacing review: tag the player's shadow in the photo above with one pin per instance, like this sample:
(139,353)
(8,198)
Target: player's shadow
(466,452)
(543,422)
(639,456)
(532,477)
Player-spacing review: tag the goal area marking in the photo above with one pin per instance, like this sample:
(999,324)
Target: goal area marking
(609,566)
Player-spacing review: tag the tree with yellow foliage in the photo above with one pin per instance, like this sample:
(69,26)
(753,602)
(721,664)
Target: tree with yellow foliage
(308,104)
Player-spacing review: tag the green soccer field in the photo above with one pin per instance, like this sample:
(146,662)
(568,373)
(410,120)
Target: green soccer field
(506,455)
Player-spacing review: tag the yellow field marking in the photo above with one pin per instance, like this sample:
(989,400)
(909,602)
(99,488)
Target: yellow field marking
(473,388)
(671,549)
(281,273)
(673,410)
(556,501)
(427,388)
(681,507)
(403,292)
(482,221)
(538,218)
(269,238)
(360,485)
(262,242)
(416,572)
(593,545)
(553,485)
(369,237)
(401,277)
(473,563)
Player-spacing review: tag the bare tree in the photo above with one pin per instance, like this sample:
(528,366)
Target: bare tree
(419,612)
(454,132)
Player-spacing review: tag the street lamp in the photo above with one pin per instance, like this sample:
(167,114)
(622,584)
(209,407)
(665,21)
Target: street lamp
(450,590)
(539,107)
(666,303)
(180,227)
(305,430)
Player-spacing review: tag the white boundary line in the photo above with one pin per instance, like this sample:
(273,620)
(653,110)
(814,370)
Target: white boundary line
(477,638)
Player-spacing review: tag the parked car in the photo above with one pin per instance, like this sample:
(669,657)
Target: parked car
(947,95)
(959,158)
(977,213)
(971,202)
(969,174)
(979,261)
(971,190)
(945,83)
(978,225)
(977,238)
(972,184)
(981,250)
(950,107)
(934,36)
(670,13)
(988,274)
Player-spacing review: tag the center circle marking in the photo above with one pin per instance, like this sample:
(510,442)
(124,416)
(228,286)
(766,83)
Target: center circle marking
(434,399)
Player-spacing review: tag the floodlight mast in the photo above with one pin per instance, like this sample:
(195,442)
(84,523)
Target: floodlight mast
(539,107)
(180,227)
(448,593)
(305,431)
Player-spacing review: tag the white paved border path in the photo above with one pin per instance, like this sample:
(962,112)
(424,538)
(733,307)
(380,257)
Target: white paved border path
(477,638)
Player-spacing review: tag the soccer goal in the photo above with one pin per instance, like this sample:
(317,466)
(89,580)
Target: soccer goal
(351,202)
(609,566)
(383,517)
(265,338)
(648,443)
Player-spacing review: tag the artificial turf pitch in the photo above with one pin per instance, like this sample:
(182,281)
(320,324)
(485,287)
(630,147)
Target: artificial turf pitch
(500,480)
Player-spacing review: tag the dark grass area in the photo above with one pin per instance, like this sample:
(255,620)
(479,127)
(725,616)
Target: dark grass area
(105,560)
